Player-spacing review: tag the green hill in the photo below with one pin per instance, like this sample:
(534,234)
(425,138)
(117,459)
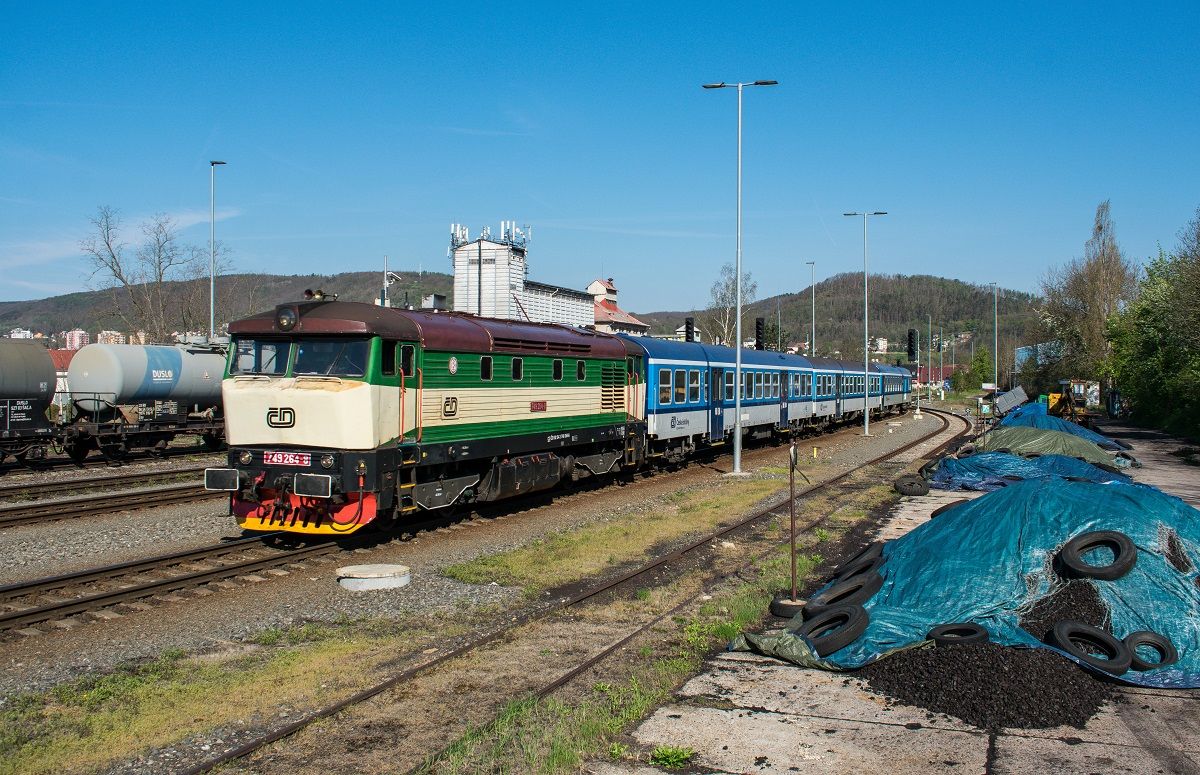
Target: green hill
(897,303)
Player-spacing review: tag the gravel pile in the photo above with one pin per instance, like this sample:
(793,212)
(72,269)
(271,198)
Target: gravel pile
(1076,600)
(990,686)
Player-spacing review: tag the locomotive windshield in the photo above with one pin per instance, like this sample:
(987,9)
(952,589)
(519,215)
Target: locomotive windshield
(331,357)
(260,356)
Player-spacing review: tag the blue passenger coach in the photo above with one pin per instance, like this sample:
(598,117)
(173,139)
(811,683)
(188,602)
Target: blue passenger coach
(690,396)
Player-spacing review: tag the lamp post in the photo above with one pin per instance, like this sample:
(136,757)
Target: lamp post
(812,344)
(737,366)
(995,339)
(866,345)
(212,248)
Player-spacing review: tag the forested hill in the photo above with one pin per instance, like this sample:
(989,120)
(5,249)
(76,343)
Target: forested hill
(238,295)
(897,303)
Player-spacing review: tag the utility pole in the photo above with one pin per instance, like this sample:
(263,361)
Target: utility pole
(941,346)
(929,365)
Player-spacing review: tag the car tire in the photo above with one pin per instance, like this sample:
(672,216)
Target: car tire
(958,634)
(853,591)
(1068,636)
(1070,557)
(784,607)
(1169,655)
(835,628)
(847,571)
(911,485)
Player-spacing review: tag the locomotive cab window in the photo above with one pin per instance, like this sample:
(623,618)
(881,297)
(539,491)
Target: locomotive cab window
(557,369)
(408,354)
(388,361)
(260,356)
(664,386)
(485,368)
(581,369)
(518,369)
(331,356)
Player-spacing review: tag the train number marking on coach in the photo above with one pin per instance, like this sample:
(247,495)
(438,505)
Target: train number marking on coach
(281,417)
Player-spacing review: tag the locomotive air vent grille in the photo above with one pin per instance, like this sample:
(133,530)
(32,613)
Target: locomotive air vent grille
(512,343)
(612,387)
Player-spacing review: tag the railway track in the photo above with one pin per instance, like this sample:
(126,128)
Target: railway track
(61,487)
(97,591)
(91,505)
(529,617)
(97,461)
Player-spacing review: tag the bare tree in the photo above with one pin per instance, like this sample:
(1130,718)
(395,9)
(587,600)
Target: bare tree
(1082,296)
(721,316)
(148,282)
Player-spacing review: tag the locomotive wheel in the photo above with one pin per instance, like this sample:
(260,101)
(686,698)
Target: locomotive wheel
(212,441)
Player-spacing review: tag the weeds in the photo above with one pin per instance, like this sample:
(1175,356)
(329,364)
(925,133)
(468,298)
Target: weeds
(671,757)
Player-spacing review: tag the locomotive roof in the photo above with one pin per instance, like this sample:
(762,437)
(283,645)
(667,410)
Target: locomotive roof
(434,330)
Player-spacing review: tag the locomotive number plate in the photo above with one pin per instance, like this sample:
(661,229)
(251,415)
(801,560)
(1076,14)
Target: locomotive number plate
(287,458)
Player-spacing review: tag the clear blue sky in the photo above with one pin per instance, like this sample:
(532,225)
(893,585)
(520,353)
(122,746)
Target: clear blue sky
(989,133)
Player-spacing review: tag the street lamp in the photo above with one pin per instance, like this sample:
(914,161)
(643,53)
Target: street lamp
(812,342)
(212,247)
(995,340)
(866,345)
(737,366)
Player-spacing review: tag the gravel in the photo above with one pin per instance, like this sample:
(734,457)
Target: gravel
(1077,600)
(990,686)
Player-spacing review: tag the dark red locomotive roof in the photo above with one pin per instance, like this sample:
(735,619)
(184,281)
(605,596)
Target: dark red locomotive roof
(453,331)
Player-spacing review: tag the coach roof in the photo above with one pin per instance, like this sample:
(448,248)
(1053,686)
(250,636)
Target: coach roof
(449,331)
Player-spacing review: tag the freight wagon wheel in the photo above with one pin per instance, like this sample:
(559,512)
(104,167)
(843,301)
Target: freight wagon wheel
(1072,563)
(835,628)
(78,450)
(1092,646)
(958,634)
(855,590)
(1167,653)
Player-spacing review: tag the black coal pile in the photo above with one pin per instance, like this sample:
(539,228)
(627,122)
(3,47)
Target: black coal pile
(1076,600)
(990,686)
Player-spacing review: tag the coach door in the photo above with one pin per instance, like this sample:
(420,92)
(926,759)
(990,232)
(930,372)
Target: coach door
(716,411)
(837,395)
(785,384)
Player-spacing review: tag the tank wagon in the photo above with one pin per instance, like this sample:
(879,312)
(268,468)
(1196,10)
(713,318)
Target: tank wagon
(119,397)
(341,414)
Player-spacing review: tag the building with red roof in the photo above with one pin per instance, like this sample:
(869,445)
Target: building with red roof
(609,317)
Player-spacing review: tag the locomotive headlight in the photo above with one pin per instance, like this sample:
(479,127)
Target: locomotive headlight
(285,319)
(245,457)
(326,461)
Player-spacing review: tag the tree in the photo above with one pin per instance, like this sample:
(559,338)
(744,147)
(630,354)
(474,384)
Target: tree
(721,316)
(1081,298)
(145,279)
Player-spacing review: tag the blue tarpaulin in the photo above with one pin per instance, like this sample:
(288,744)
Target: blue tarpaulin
(987,471)
(1033,409)
(988,560)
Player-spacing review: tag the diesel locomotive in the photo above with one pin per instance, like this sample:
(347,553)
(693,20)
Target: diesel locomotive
(341,415)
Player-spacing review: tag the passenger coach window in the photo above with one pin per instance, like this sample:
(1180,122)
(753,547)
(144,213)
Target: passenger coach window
(728,385)
(581,369)
(389,358)
(758,384)
(408,353)
(693,385)
(557,370)
(485,368)
(664,386)
(775,385)
(680,386)
(747,385)
(518,369)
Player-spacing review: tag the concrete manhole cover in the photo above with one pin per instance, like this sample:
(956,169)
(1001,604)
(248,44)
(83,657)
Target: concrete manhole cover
(361,578)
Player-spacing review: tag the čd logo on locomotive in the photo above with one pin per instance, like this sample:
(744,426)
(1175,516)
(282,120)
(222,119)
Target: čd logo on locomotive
(281,417)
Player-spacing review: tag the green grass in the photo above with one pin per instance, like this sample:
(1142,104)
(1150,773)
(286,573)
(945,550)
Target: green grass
(672,757)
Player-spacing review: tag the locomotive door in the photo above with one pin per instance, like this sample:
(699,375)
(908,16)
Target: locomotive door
(410,393)
(716,414)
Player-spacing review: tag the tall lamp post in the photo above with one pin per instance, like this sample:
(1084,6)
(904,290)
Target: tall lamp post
(812,342)
(212,248)
(737,367)
(995,340)
(866,346)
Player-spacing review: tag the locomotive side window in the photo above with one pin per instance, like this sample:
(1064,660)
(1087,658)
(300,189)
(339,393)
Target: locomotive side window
(557,370)
(680,386)
(664,386)
(408,353)
(389,358)
(485,368)
(258,356)
(518,369)
(581,369)
(693,385)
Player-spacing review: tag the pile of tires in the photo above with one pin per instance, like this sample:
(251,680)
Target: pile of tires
(835,617)
(1093,646)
